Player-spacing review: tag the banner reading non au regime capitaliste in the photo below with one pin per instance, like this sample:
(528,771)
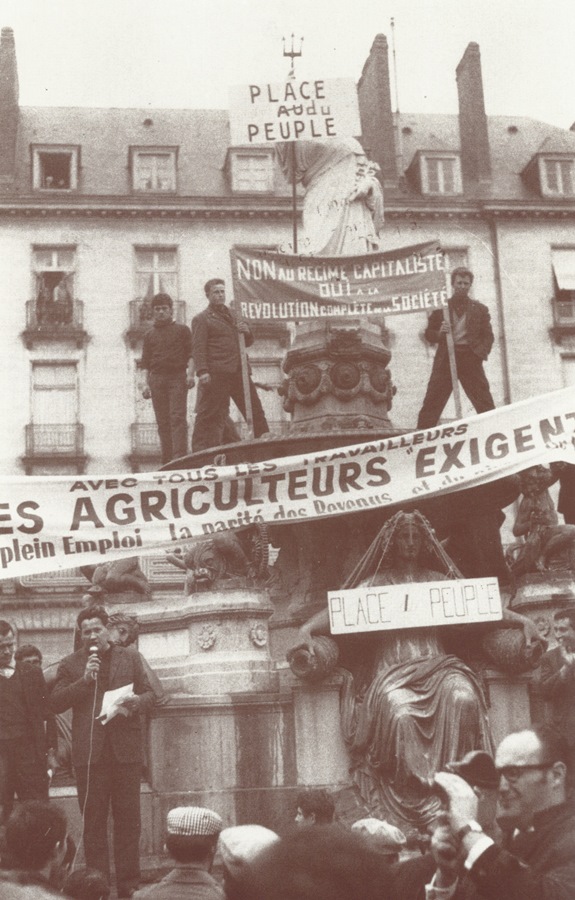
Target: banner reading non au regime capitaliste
(50,523)
(269,285)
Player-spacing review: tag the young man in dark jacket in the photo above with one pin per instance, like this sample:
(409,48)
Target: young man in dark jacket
(470,324)
(107,757)
(217,361)
(166,358)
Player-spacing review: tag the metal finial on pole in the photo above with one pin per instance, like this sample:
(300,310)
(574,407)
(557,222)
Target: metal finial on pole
(292,53)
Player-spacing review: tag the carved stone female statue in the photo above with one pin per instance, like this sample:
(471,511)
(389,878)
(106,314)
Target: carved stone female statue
(343,206)
(409,707)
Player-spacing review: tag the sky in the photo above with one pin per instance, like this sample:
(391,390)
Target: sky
(186,53)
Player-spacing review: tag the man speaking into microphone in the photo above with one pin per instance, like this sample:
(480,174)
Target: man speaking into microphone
(107,758)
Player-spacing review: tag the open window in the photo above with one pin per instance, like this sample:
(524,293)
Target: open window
(55,168)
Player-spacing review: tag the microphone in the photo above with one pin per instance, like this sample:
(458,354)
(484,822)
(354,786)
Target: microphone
(93,648)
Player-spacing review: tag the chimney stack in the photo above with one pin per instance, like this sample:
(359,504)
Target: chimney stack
(377,124)
(8,109)
(475,153)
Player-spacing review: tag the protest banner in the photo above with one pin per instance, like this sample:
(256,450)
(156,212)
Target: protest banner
(296,110)
(414,605)
(270,285)
(50,523)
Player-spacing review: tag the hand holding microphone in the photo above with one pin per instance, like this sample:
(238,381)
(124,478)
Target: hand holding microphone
(93,663)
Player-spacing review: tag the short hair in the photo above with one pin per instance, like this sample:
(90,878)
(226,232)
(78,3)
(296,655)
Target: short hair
(317,802)
(209,285)
(27,650)
(461,270)
(86,884)
(568,613)
(162,300)
(324,863)
(92,612)
(191,848)
(32,832)
(5,628)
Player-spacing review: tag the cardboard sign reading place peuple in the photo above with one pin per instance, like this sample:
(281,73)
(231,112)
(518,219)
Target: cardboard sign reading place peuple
(294,111)
(414,605)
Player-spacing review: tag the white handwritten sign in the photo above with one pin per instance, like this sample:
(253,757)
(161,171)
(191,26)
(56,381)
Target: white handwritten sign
(414,605)
(294,111)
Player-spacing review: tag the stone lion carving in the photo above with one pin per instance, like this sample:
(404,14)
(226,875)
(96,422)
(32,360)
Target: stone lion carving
(206,562)
(119,576)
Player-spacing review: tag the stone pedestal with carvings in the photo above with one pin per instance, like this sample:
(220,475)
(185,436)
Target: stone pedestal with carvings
(337,378)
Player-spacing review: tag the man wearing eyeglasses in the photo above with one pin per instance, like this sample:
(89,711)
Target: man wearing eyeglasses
(540,862)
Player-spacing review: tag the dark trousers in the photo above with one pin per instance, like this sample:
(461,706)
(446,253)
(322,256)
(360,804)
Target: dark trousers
(23,773)
(170,402)
(116,785)
(471,376)
(213,407)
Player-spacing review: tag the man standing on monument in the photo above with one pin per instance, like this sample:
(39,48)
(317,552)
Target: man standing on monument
(166,355)
(107,757)
(217,359)
(470,325)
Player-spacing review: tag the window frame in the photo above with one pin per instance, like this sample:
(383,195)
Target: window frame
(156,150)
(562,296)
(71,150)
(73,387)
(238,154)
(543,160)
(156,271)
(440,156)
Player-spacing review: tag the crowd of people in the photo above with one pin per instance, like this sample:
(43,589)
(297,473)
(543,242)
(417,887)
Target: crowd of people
(506,823)
(173,357)
(505,828)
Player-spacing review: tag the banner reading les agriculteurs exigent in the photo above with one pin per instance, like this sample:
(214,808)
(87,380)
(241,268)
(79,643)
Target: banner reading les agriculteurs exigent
(271,285)
(49,523)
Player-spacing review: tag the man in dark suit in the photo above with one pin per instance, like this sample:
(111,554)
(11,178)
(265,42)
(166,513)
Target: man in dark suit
(107,757)
(217,360)
(470,324)
(23,712)
(557,679)
(539,860)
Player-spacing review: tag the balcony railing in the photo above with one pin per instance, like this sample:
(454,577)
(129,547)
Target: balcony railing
(145,440)
(54,440)
(141,318)
(564,312)
(563,317)
(54,320)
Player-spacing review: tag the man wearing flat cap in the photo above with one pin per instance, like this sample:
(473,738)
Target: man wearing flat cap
(191,840)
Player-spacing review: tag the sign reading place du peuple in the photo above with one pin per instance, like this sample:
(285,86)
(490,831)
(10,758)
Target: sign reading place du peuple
(297,110)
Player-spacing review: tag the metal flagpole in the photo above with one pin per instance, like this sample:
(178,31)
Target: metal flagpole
(249,416)
(451,352)
(292,53)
